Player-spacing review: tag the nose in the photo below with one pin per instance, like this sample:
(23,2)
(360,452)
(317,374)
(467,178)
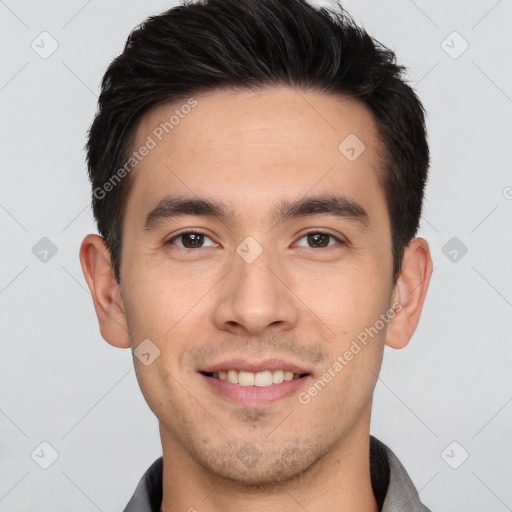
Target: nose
(256,298)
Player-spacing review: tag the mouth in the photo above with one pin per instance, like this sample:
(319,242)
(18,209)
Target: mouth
(254,384)
(261,379)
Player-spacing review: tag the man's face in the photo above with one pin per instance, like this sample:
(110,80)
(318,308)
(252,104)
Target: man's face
(258,289)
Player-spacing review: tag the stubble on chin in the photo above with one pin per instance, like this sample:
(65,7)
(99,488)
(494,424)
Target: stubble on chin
(256,463)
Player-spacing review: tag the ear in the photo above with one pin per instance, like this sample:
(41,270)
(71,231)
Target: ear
(409,293)
(106,295)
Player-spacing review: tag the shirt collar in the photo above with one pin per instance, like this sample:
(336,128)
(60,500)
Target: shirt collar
(393,489)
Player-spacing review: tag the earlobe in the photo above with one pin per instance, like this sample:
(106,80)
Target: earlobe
(95,261)
(409,293)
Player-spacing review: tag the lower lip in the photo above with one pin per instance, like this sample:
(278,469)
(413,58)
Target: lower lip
(254,395)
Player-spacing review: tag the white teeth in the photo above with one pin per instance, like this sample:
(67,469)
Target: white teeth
(246,378)
(233,376)
(260,379)
(277,376)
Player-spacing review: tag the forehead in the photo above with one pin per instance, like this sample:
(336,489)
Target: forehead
(255,147)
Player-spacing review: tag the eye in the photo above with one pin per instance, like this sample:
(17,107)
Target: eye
(319,240)
(191,240)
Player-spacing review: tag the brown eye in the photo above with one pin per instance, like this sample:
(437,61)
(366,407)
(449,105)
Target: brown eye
(319,240)
(190,240)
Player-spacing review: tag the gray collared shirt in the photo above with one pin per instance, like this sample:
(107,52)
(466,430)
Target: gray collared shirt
(391,484)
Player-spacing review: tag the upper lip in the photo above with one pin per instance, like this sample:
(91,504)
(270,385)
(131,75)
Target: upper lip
(246,365)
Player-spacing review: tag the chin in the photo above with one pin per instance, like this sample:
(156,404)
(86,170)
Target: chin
(250,467)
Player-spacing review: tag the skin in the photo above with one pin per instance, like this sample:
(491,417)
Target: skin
(297,301)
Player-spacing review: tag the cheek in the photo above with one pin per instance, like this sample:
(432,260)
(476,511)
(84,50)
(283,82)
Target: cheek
(161,389)
(164,307)
(157,301)
(350,304)
(346,300)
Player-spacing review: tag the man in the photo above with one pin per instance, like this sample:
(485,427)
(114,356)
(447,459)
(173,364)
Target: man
(258,170)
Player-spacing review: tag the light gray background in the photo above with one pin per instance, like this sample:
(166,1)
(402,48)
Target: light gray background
(61,383)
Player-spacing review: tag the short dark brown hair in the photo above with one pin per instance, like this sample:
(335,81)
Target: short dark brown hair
(209,45)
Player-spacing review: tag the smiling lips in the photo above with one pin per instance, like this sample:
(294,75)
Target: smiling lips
(260,379)
(261,374)
(254,384)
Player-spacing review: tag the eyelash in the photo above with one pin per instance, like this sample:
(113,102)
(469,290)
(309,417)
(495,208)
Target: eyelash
(193,232)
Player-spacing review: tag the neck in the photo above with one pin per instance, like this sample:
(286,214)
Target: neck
(340,480)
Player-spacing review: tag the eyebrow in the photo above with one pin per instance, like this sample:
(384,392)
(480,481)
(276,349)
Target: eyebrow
(337,205)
